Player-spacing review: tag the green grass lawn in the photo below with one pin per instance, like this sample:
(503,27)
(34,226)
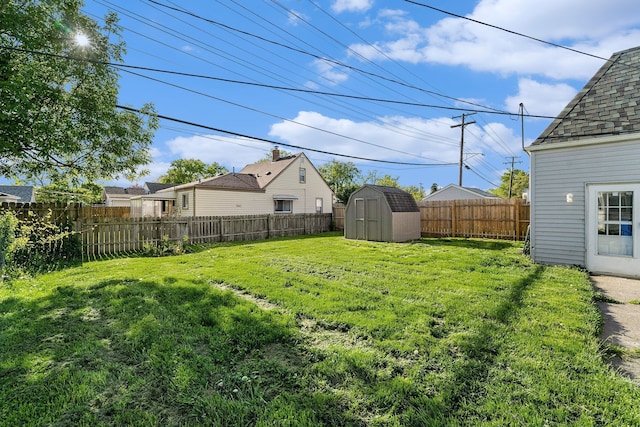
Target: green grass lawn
(310,331)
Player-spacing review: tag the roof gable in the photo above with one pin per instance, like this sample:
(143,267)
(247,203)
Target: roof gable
(456,190)
(607,105)
(267,170)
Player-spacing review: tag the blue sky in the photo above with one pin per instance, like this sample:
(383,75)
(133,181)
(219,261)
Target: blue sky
(387,50)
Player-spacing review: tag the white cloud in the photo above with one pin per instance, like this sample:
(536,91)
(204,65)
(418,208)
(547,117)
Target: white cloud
(295,17)
(389,138)
(227,151)
(540,98)
(599,28)
(329,72)
(340,6)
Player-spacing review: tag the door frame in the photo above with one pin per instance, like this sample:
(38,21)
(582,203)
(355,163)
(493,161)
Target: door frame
(612,264)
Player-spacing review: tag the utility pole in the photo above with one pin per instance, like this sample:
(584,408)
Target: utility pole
(462,125)
(513,160)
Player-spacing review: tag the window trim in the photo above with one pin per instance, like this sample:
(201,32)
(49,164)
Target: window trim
(302,175)
(283,202)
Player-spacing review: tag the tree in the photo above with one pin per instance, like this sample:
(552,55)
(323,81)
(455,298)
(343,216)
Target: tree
(417,191)
(59,116)
(518,183)
(183,171)
(341,177)
(388,181)
(87,193)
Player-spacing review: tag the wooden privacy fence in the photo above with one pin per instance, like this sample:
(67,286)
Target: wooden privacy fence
(485,218)
(63,212)
(106,236)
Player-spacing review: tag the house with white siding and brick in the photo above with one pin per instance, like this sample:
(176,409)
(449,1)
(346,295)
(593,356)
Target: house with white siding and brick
(585,175)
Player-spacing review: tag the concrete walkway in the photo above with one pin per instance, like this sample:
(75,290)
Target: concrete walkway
(621,321)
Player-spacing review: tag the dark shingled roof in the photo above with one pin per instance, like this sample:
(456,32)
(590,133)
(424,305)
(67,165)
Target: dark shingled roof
(398,200)
(235,181)
(156,186)
(132,191)
(607,105)
(24,192)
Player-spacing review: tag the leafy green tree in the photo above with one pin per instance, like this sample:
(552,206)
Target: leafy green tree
(60,191)
(59,116)
(417,191)
(388,180)
(518,184)
(341,177)
(183,171)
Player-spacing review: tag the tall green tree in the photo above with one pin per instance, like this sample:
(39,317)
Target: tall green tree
(518,183)
(87,193)
(342,177)
(183,171)
(58,95)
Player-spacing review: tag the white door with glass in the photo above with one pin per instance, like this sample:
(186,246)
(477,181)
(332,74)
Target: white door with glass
(612,229)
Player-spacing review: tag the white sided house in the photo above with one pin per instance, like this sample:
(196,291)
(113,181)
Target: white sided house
(282,185)
(585,175)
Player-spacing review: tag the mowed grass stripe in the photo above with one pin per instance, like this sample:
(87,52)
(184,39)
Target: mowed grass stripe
(435,332)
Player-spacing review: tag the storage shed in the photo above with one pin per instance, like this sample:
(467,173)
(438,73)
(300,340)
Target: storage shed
(383,214)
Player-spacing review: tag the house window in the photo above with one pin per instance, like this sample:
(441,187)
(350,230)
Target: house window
(283,206)
(319,205)
(185,201)
(303,175)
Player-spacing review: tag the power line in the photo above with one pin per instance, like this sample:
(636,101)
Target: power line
(263,85)
(341,64)
(505,30)
(227,132)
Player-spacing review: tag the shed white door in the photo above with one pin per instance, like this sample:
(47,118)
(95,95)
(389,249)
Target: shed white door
(613,237)
(367,219)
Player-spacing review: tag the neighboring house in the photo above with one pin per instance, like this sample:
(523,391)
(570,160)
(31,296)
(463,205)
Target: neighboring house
(9,198)
(585,175)
(17,193)
(281,185)
(383,214)
(119,196)
(151,204)
(456,192)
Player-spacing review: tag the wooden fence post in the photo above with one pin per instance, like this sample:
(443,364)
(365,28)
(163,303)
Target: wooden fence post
(453,218)
(516,206)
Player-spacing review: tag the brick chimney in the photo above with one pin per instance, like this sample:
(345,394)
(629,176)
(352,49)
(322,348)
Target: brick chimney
(276,154)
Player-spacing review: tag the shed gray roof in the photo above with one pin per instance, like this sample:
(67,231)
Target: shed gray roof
(607,105)
(24,192)
(398,200)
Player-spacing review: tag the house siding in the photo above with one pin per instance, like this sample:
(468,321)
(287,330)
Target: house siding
(190,209)
(558,228)
(288,182)
(226,202)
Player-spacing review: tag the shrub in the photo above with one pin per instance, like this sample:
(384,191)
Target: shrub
(36,244)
